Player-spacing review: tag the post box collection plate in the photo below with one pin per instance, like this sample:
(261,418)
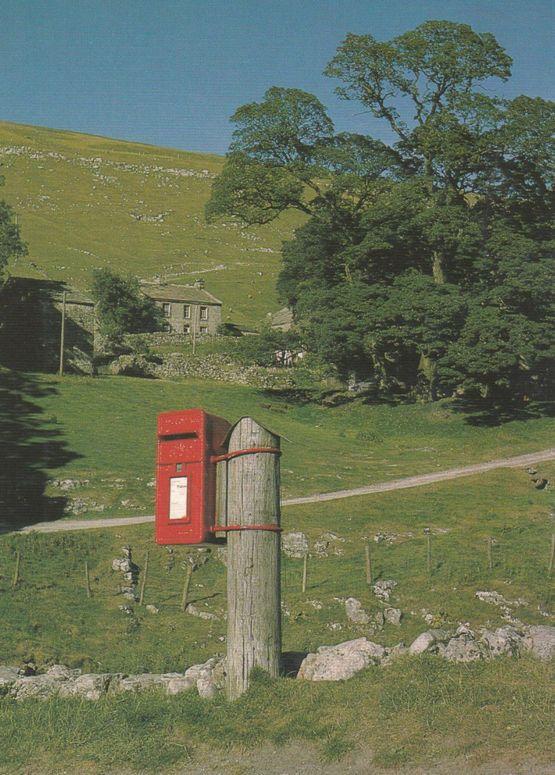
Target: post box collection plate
(187,442)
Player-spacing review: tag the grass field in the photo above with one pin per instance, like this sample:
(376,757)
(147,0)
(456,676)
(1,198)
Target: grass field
(84,201)
(415,711)
(104,429)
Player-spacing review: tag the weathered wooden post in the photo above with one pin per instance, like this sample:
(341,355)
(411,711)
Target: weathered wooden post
(253,554)
(62,335)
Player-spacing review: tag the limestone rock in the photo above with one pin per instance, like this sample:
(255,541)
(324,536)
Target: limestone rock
(194,611)
(206,688)
(463,648)
(504,640)
(90,686)
(328,543)
(540,641)
(294,544)
(180,684)
(393,652)
(355,612)
(383,588)
(62,673)
(8,677)
(393,616)
(337,663)
(37,686)
(428,640)
(138,683)
(152,609)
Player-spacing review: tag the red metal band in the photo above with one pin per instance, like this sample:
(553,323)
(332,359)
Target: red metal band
(225,528)
(250,451)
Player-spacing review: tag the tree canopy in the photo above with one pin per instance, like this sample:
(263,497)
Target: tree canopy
(425,263)
(11,244)
(122,308)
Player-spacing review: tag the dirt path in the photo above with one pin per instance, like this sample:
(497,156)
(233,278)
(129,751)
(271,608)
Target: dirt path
(395,484)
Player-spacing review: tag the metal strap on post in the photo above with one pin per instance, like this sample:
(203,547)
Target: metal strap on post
(249,451)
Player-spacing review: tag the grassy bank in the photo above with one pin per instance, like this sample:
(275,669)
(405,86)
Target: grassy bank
(93,633)
(418,711)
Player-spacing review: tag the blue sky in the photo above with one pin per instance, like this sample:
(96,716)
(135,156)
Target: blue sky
(171,72)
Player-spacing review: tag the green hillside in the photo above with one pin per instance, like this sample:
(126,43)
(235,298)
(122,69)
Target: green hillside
(85,201)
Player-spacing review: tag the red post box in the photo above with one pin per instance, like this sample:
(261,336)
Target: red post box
(187,440)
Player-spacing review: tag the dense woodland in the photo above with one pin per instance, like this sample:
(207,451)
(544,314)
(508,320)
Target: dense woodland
(424,265)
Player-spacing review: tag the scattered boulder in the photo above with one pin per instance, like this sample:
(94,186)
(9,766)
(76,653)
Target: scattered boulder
(194,611)
(355,612)
(540,641)
(137,683)
(462,648)
(90,686)
(326,544)
(180,684)
(152,609)
(383,588)
(8,677)
(504,640)
(393,616)
(294,544)
(428,640)
(36,686)
(337,663)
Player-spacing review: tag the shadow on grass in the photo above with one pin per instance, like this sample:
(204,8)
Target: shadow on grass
(493,413)
(29,447)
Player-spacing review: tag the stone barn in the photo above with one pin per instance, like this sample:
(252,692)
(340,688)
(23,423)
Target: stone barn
(31,321)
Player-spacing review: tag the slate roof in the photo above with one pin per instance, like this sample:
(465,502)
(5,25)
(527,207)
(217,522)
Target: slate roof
(179,293)
(53,289)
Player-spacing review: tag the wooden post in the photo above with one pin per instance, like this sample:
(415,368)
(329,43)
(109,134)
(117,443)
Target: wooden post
(428,533)
(186,585)
(490,555)
(87,579)
(143,580)
(305,571)
(15,580)
(62,333)
(368,564)
(552,555)
(253,557)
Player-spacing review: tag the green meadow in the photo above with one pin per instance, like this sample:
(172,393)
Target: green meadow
(107,426)
(84,201)
(417,711)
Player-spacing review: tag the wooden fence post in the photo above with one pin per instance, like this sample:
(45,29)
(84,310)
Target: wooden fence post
(87,580)
(253,556)
(15,580)
(305,572)
(143,580)
(368,564)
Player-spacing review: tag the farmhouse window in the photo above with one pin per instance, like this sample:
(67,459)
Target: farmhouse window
(204,313)
(204,329)
(187,311)
(166,308)
(186,329)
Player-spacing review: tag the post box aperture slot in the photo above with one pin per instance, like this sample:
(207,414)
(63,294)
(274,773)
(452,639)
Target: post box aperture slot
(179,491)
(178,436)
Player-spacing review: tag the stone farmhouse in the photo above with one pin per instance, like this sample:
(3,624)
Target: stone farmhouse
(188,309)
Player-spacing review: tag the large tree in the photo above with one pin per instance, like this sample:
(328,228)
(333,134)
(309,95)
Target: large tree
(11,244)
(413,248)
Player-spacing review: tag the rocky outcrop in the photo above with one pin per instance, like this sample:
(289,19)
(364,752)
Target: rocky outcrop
(61,681)
(294,544)
(540,641)
(337,663)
